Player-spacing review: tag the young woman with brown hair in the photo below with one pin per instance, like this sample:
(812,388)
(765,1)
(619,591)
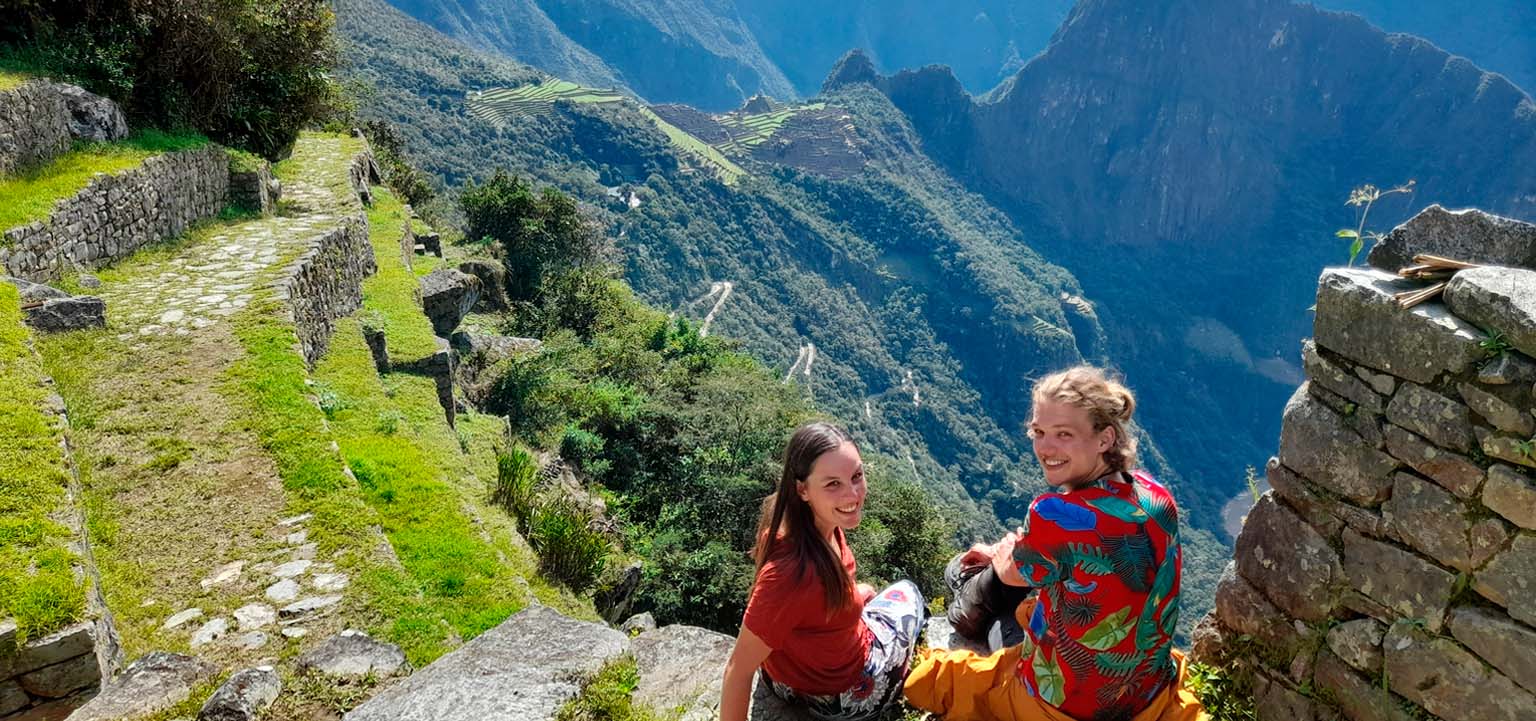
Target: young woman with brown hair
(824,642)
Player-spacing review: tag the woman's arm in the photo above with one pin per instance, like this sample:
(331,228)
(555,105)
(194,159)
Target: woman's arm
(1002,561)
(736,693)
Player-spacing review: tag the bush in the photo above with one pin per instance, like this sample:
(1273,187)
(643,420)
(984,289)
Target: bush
(408,181)
(583,448)
(249,74)
(540,232)
(517,477)
(570,549)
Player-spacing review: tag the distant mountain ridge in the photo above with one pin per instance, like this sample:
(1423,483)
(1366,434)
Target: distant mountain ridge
(1193,158)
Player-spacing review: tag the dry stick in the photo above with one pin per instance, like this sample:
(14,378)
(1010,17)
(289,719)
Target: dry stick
(1442,262)
(1413,298)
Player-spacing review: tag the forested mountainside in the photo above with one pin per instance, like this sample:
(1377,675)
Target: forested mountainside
(693,51)
(1194,158)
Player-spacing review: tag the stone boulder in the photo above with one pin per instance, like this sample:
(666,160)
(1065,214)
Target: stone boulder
(1436,673)
(34,292)
(1501,299)
(524,669)
(492,348)
(353,653)
(638,624)
(92,117)
(447,295)
(681,667)
(1358,319)
(1470,235)
(616,599)
(66,314)
(1288,561)
(155,682)
(244,696)
(493,284)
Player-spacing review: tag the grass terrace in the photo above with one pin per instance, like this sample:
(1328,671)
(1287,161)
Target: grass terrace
(31,196)
(498,105)
(750,130)
(389,296)
(37,581)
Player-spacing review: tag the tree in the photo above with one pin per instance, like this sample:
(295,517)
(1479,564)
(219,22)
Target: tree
(540,233)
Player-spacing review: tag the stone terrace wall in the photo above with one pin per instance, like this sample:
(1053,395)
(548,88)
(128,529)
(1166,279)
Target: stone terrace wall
(117,214)
(326,283)
(34,125)
(1391,571)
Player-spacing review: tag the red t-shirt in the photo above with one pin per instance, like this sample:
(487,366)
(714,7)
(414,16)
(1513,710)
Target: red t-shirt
(813,652)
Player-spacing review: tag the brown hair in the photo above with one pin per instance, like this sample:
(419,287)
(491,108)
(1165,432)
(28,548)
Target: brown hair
(785,511)
(1109,405)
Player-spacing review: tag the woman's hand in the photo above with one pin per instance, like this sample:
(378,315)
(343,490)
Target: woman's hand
(736,692)
(1002,560)
(979,555)
(865,592)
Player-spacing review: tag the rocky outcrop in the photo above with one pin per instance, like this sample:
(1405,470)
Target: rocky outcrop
(117,214)
(91,117)
(155,682)
(1391,566)
(447,295)
(34,125)
(354,654)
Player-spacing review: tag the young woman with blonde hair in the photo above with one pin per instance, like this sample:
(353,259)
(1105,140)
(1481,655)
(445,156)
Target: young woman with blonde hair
(823,641)
(1102,554)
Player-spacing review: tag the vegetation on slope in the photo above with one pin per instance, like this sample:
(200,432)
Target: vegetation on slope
(37,570)
(32,194)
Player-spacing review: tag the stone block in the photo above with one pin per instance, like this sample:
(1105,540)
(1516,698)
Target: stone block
(1288,560)
(1511,494)
(447,295)
(1443,421)
(1431,520)
(1316,510)
(1456,473)
(1497,411)
(1360,699)
(1336,378)
(1510,579)
(1401,581)
(1242,608)
(1358,643)
(493,284)
(66,314)
(524,668)
(1488,536)
(12,697)
(1358,319)
(680,667)
(1499,640)
(66,643)
(64,678)
(1499,299)
(1379,382)
(151,684)
(244,696)
(1508,369)
(1276,701)
(355,654)
(1450,682)
(1517,450)
(1315,441)
(1469,235)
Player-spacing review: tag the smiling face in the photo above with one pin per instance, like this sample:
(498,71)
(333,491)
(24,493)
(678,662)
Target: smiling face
(835,490)
(1068,448)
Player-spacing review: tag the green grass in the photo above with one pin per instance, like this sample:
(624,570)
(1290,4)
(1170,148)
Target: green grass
(37,583)
(609,696)
(394,437)
(750,130)
(11,80)
(390,295)
(497,105)
(31,196)
(730,172)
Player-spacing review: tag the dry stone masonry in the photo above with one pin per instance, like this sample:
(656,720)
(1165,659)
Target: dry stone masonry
(117,214)
(1391,572)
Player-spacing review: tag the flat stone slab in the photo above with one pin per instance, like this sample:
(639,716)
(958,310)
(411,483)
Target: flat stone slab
(1288,560)
(681,667)
(522,670)
(1469,235)
(155,682)
(308,605)
(1358,319)
(1445,679)
(1411,586)
(353,653)
(244,696)
(1510,579)
(1499,299)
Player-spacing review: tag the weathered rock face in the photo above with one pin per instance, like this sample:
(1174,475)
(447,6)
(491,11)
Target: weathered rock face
(153,683)
(1410,451)
(65,314)
(244,696)
(681,667)
(117,214)
(523,669)
(92,117)
(447,295)
(493,284)
(353,653)
(34,125)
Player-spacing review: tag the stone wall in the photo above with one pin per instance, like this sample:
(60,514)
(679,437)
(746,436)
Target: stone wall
(326,283)
(34,125)
(1391,571)
(117,214)
(254,189)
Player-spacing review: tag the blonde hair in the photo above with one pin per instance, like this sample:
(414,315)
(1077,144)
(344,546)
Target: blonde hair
(1109,405)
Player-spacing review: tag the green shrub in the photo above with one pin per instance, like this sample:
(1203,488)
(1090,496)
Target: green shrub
(609,696)
(570,549)
(539,231)
(249,74)
(585,449)
(1225,696)
(517,475)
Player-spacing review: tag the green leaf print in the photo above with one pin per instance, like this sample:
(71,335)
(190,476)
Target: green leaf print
(1118,665)
(1110,632)
(1120,508)
(1048,677)
(1092,560)
(1160,508)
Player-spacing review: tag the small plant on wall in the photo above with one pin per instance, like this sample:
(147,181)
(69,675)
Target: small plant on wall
(1364,197)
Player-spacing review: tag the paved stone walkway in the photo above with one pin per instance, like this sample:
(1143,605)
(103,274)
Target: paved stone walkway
(210,281)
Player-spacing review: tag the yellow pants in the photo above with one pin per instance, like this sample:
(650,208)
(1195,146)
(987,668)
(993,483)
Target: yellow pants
(964,686)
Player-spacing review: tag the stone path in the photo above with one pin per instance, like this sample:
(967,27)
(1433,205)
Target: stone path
(210,281)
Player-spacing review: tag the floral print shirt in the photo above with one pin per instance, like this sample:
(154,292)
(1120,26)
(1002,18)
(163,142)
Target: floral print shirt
(1107,562)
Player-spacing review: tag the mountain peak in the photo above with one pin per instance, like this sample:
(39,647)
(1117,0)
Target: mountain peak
(854,67)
